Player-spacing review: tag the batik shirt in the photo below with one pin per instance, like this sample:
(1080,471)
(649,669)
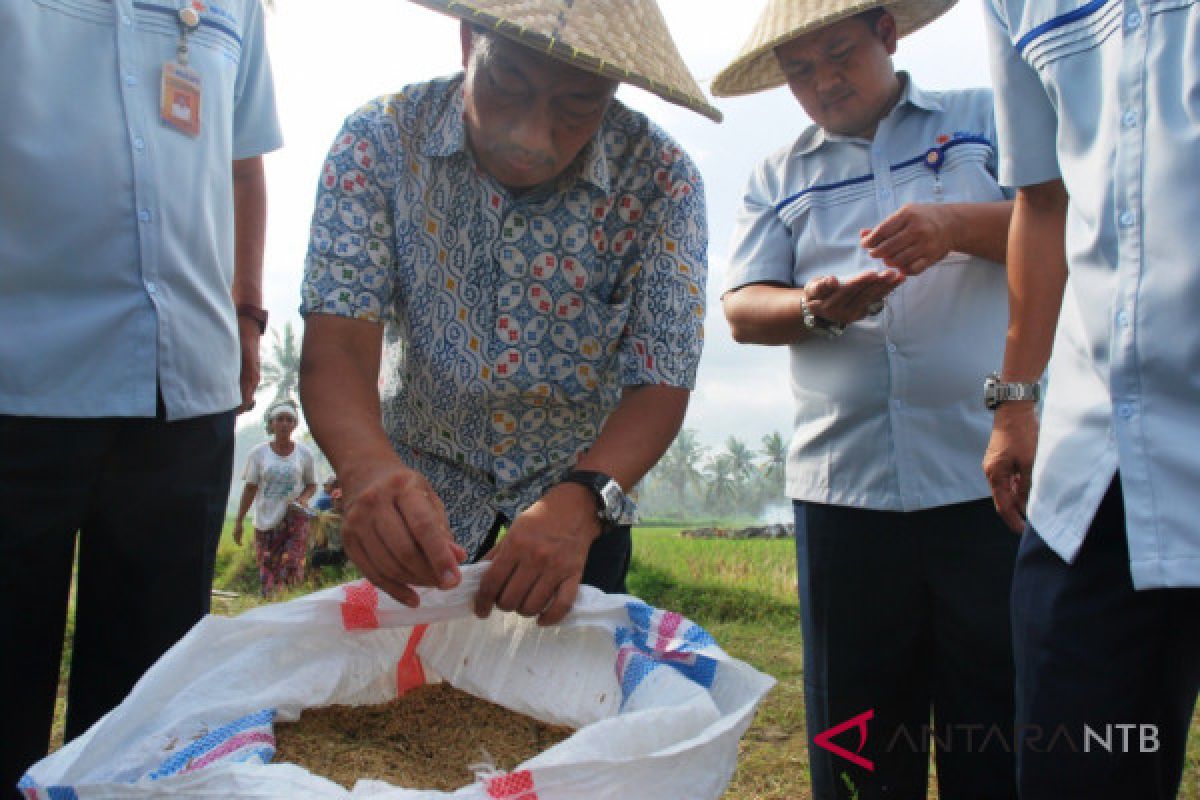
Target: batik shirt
(511,322)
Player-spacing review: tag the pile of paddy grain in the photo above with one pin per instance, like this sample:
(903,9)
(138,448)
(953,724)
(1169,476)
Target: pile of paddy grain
(429,738)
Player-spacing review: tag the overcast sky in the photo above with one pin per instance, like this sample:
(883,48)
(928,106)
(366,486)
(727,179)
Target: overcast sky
(331,56)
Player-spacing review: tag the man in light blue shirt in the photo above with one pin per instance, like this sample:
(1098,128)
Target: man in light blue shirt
(1097,113)
(130,176)
(873,247)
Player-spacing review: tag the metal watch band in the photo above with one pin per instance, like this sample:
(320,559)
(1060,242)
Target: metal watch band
(818,325)
(997,392)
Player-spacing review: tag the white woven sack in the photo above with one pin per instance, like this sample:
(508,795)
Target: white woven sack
(659,707)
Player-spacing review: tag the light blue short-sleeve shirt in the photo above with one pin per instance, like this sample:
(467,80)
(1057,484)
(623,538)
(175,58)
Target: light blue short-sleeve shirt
(511,322)
(1104,94)
(890,415)
(116,231)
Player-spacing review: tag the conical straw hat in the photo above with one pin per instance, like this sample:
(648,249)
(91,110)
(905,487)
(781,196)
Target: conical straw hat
(756,68)
(623,39)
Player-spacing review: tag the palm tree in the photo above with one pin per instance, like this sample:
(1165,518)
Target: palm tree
(741,458)
(282,368)
(774,454)
(680,465)
(724,489)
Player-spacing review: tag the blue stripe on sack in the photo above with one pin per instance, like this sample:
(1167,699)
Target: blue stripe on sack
(212,741)
(825,187)
(1058,22)
(638,657)
(204,21)
(28,787)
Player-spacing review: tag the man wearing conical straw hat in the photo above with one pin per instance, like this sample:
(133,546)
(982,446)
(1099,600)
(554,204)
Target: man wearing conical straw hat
(873,246)
(528,255)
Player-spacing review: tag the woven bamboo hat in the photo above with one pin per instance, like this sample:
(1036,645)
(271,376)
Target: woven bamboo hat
(756,68)
(626,40)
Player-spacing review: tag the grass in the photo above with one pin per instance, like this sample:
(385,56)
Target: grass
(741,591)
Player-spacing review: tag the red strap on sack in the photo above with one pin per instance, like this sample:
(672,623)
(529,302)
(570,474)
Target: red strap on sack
(358,609)
(409,672)
(517,786)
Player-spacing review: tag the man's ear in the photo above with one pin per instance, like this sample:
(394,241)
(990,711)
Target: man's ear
(885,29)
(465,37)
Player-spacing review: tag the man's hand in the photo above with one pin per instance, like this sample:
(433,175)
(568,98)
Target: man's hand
(395,530)
(914,238)
(849,300)
(249,336)
(537,566)
(1008,462)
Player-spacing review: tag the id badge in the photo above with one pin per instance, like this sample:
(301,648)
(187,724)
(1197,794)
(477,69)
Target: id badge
(181,95)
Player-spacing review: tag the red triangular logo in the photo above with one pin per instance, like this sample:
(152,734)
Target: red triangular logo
(859,722)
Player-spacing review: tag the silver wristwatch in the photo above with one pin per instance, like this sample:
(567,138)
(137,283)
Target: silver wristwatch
(613,506)
(819,325)
(997,392)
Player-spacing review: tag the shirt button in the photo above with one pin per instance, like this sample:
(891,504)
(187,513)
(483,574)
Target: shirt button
(130,80)
(1133,20)
(126,21)
(1126,218)
(891,347)
(139,143)
(151,288)
(1125,411)
(1123,319)
(144,215)
(1129,118)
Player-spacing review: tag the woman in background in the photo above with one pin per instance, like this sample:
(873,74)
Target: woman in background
(280,478)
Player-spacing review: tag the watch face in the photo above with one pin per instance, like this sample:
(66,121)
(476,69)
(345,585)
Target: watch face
(613,500)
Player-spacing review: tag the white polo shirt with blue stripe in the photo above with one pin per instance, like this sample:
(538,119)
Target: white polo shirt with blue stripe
(1106,95)
(117,231)
(890,415)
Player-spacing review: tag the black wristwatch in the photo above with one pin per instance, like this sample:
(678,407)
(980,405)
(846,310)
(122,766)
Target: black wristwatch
(613,507)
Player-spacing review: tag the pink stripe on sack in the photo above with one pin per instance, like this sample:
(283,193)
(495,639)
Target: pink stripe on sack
(517,786)
(358,609)
(234,744)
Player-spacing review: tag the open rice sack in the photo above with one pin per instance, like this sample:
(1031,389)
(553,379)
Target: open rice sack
(659,708)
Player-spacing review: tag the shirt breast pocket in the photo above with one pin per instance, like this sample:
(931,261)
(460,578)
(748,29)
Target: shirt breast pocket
(214,46)
(968,175)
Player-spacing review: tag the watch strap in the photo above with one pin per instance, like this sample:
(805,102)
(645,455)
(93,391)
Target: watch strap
(600,485)
(250,311)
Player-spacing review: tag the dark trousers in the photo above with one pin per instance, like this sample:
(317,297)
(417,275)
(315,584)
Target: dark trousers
(607,560)
(904,616)
(147,499)
(1091,651)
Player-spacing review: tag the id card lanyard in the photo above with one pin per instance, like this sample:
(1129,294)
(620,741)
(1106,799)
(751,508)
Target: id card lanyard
(181,86)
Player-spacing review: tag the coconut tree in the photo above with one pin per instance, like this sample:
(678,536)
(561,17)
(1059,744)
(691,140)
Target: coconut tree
(681,463)
(724,488)
(281,369)
(774,462)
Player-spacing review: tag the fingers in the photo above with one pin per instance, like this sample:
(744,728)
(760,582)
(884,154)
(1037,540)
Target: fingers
(425,518)
(494,580)
(1003,480)
(886,229)
(371,554)
(562,602)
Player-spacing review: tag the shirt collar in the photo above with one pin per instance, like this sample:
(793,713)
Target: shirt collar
(448,137)
(912,95)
